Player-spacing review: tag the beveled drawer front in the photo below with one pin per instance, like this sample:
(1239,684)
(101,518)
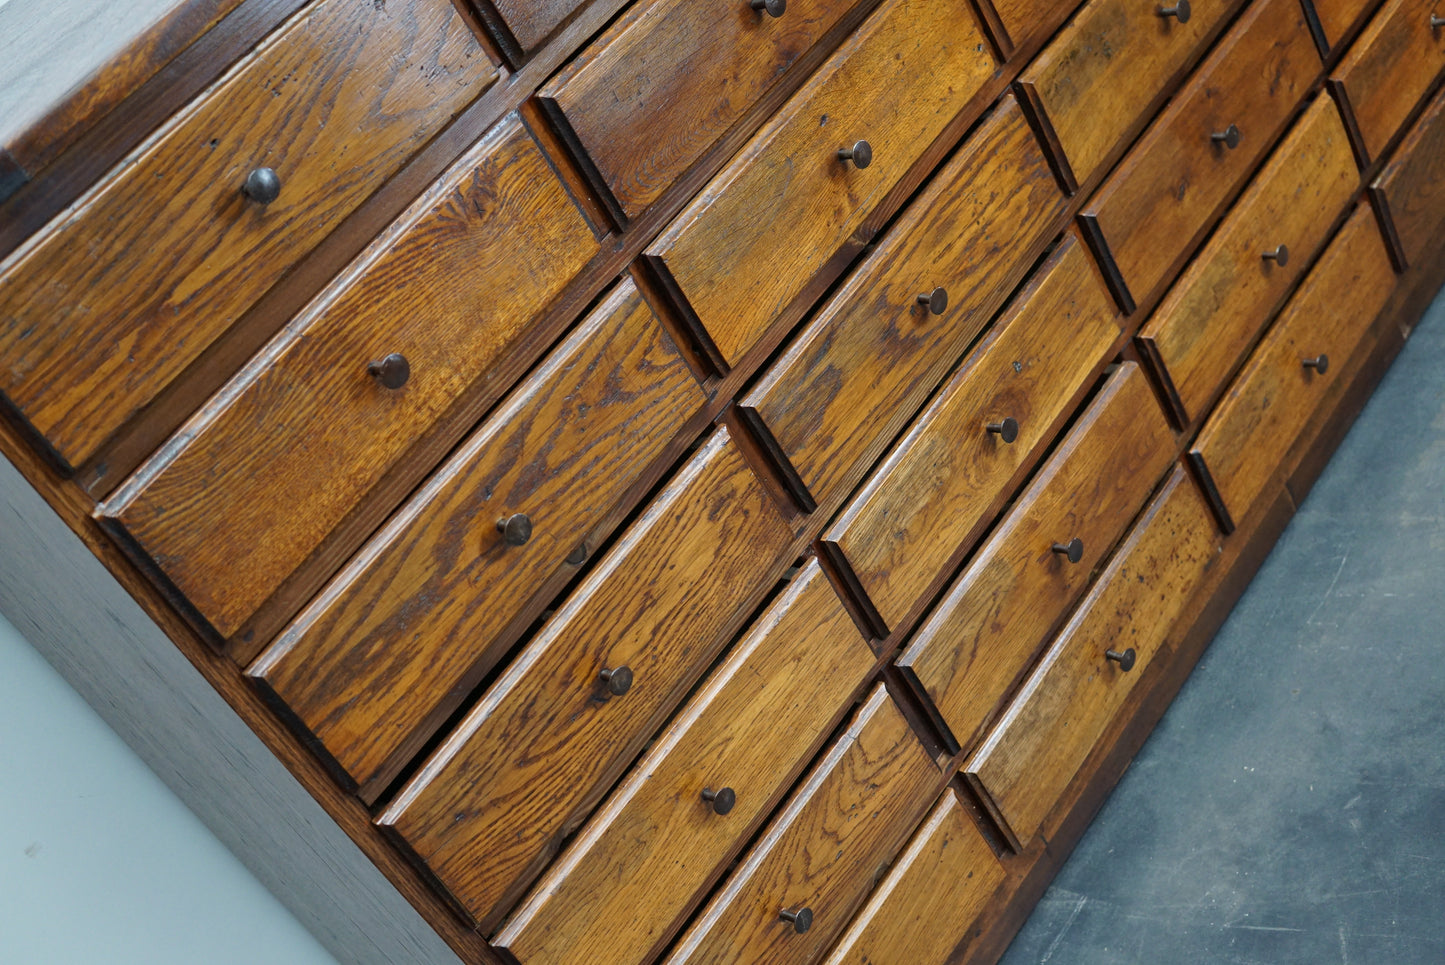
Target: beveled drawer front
(1025,21)
(519,26)
(643,861)
(1213,313)
(1170,186)
(1096,79)
(751,242)
(1393,64)
(817,861)
(397,640)
(931,898)
(496,799)
(1025,765)
(1312,345)
(1339,18)
(1412,185)
(940,481)
(261,476)
(981,638)
(864,364)
(708,63)
(116,297)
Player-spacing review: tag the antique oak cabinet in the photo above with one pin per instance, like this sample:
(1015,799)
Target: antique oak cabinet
(626,481)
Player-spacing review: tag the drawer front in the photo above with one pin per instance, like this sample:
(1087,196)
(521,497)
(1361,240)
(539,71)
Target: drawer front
(944,478)
(391,647)
(863,366)
(1155,205)
(1217,308)
(819,857)
(1277,394)
(645,859)
(1026,21)
(1412,186)
(275,462)
(491,805)
(1393,64)
(520,26)
(707,63)
(1097,78)
(931,897)
(1029,759)
(112,301)
(996,615)
(751,243)
(1340,18)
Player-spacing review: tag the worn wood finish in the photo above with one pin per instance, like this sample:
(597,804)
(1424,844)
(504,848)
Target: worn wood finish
(520,26)
(752,241)
(1411,188)
(860,369)
(1340,19)
(1221,303)
(1275,395)
(851,816)
(644,861)
(389,649)
(119,295)
(492,805)
(931,898)
(1157,203)
(1027,21)
(276,461)
(1390,68)
(987,630)
(945,479)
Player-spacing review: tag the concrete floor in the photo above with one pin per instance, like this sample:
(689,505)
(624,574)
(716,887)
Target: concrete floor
(1290,807)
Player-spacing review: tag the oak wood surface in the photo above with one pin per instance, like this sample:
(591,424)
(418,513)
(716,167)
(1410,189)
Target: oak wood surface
(1412,185)
(530,21)
(1390,68)
(1027,21)
(1340,19)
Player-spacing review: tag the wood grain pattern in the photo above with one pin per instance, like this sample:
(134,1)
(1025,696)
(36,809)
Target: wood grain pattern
(1026,21)
(941,480)
(1220,304)
(644,861)
(256,481)
(986,631)
(406,630)
(1275,396)
(851,816)
(752,241)
(931,898)
(671,78)
(118,295)
(1029,758)
(1391,67)
(865,363)
(1158,202)
(1413,185)
(529,22)
(1339,19)
(492,805)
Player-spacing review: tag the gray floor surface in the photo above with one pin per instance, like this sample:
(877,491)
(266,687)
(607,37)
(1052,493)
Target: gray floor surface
(1290,807)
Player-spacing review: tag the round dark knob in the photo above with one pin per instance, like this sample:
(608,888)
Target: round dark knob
(802,919)
(936,301)
(722,800)
(1229,137)
(1125,660)
(392,371)
(1073,550)
(1320,363)
(861,154)
(1436,22)
(515,529)
(262,186)
(1280,256)
(773,8)
(578,556)
(1180,11)
(1007,430)
(619,680)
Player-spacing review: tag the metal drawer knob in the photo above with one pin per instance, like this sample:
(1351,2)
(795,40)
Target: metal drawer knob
(802,919)
(1280,256)
(1073,550)
(722,800)
(1320,363)
(392,371)
(773,8)
(515,529)
(262,186)
(1125,660)
(619,680)
(861,154)
(1436,22)
(1229,137)
(1180,11)
(1007,430)
(936,301)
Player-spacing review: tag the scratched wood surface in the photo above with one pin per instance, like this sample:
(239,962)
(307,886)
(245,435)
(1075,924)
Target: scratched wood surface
(1339,19)
(528,22)
(1412,185)
(1024,21)
(1395,62)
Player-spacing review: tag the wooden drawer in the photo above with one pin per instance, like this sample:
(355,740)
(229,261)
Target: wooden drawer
(405,632)
(752,241)
(940,482)
(1217,308)
(1277,393)
(1339,19)
(1412,187)
(493,803)
(645,859)
(1023,22)
(1391,67)
(995,617)
(260,478)
(520,26)
(707,63)
(819,857)
(931,897)
(116,297)
(861,368)
(1166,192)
(1025,765)
(1095,81)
